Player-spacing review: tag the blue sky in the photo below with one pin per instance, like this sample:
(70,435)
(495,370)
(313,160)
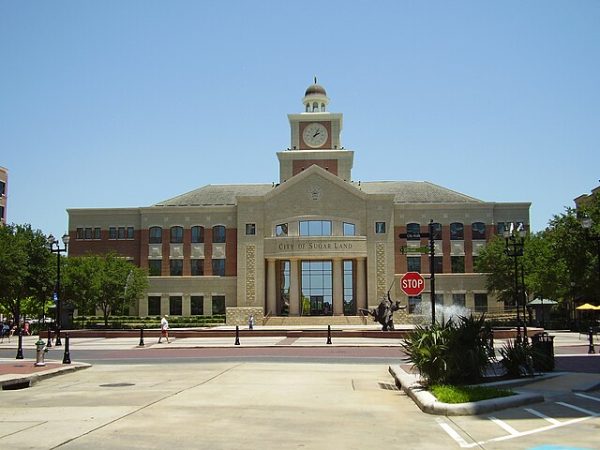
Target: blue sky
(126,103)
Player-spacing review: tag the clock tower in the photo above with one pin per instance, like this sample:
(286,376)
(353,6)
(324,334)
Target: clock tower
(315,139)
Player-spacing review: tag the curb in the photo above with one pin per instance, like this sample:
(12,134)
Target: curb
(429,404)
(28,380)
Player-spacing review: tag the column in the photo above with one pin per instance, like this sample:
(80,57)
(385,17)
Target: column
(361,286)
(338,288)
(294,289)
(271,288)
(186,305)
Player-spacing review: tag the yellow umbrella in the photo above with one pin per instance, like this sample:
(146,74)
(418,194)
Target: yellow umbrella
(597,308)
(587,307)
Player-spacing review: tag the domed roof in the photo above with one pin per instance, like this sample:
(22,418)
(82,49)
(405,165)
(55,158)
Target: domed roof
(315,89)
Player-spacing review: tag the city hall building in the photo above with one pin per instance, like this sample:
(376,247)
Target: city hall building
(317,243)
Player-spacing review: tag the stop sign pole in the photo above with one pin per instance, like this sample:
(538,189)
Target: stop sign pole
(430,235)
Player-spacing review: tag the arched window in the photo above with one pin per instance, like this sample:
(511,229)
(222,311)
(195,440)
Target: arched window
(436,229)
(155,235)
(218,234)
(322,107)
(308,107)
(197,235)
(478,231)
(457,231)
(176,235)
(413,232)
(315,107)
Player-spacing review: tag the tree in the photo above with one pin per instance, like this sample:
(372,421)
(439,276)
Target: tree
(26,269)
(107,282)
(499,267)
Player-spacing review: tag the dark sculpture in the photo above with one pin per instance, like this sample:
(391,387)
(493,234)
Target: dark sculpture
(384,313)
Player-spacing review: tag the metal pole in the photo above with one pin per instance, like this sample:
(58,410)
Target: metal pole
(432,270)
(237,335)
(524,295)
(49,344)
(141,344)
(329,334)
(67,355)
(58,342)
(514,253)
(19,331)
(591,343)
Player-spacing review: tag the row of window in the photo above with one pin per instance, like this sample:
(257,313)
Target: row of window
(457,231)
(481,302)
(315,228)
(457,264)
(155,235)
(95,233)
(176,267)
(176,305)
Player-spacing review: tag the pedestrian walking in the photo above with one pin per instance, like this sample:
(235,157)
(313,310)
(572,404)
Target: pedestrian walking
(251,322)
(164,329)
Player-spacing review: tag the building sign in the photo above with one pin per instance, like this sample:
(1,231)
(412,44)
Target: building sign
(316,247)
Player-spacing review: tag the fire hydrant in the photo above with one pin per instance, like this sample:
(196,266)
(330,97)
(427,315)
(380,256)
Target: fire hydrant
(39,353)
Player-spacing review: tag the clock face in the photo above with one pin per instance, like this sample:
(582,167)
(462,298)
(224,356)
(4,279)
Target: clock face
(315,135)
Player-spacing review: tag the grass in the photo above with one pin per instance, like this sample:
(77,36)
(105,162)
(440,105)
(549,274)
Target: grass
(463,394)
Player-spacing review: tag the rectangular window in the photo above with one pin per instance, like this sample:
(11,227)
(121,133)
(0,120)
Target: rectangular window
(121,233)
(380,227)
(2,188)
(154,305)
(218,304)
(481,303)
(88,233)
(1,212)
(175,305)
(413,263)
(315,228)
(458,264)
(130,233)
(475,259)
(155,235)
(349,300)
(281,229)
(154,267)
(218,267)
(414,305)
(349,229)
(112,232)
(80,234)
(439,299)
(250,229)
(97,233)
(439,264)
(413,232)
(458,299)
(197,267)
(176,267)
(197,305)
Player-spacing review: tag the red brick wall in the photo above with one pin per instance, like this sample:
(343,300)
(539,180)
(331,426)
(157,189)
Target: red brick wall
(231,252)
(129,248)
(327,164)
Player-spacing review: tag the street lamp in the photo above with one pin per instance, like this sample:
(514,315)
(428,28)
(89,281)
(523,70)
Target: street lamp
(54,247)
(515,241)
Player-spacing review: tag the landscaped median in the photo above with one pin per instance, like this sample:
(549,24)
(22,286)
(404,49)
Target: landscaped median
(410,384)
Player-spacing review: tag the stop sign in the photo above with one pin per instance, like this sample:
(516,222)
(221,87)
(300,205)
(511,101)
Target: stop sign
(412,283)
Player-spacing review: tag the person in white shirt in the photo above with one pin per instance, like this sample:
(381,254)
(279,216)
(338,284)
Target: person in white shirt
(164,329)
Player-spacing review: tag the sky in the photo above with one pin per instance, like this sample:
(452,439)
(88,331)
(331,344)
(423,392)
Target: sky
(128,103)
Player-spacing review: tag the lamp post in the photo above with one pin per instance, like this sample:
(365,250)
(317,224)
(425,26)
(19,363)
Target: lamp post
(54,247)
(515,240)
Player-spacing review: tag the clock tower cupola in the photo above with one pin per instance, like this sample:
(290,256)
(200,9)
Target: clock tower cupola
(315,139)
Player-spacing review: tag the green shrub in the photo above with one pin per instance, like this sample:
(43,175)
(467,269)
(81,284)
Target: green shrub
(517,359)
(463,394)
(454,352)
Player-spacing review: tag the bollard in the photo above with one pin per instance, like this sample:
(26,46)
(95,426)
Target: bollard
(237,335)
(329,334)
(39,353)
(57,341)
(591,337)
(49,344)
(141,344)
(67,355)
(20,346)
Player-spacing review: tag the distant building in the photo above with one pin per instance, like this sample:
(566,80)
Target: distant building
(3,194)
(316,243)
(584,198)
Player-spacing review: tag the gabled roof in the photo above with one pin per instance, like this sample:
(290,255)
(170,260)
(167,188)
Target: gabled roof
(403,191)
(216,194)
(415,192)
